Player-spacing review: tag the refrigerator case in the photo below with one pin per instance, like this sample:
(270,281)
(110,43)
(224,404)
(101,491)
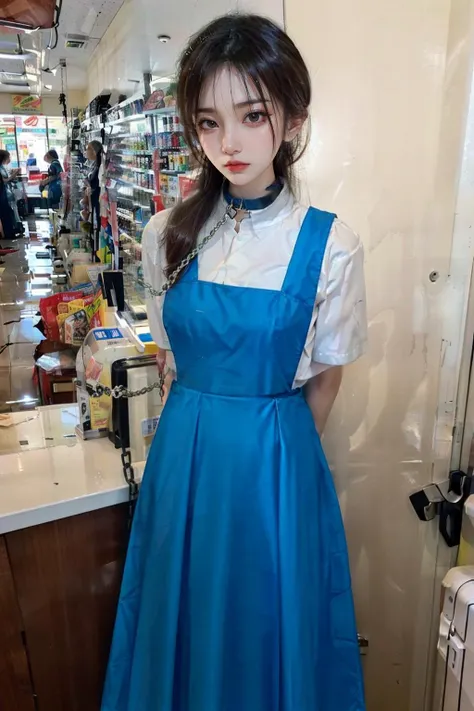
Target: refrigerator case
(456,640)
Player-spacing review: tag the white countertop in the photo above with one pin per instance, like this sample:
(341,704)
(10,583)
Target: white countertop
(46,473)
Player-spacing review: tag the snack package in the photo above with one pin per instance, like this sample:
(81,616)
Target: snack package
(69,316)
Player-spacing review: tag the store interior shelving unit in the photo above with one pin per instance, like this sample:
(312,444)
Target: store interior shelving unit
(145,159)
(74,177)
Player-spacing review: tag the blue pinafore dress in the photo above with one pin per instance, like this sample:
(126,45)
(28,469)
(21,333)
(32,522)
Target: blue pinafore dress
(236,593)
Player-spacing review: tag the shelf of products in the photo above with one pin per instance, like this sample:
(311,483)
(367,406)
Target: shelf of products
(145,157)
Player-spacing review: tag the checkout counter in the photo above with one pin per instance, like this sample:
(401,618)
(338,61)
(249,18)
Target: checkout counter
(64,526)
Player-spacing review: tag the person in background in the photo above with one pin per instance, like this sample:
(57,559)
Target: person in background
(31,161)
(7,196)
(94,156)
(53,181)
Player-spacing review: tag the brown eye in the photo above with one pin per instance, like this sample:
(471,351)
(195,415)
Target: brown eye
(256,117)
(207,124)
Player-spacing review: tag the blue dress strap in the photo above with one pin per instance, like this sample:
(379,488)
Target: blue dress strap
(191,271)
(304,269)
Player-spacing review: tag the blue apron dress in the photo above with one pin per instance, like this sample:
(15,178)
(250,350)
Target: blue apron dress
(236,593)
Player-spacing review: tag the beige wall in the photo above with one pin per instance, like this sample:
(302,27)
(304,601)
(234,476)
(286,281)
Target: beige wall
(391,84)
(51,105)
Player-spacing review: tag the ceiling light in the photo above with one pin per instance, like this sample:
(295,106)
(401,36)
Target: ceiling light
(48,87)
(164,38)
(13,55)
(14,83)
(12,74)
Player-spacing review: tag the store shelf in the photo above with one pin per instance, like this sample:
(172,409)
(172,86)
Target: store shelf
(167,111)
(127,119)
(133,185)
(129,152)
(130,100)
(87,122)
(125,217)
(144,171)
(122,135)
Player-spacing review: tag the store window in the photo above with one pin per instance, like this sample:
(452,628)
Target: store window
(36,135)
(8,139)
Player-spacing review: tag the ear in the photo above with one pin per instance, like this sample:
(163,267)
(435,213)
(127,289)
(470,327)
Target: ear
(293,128)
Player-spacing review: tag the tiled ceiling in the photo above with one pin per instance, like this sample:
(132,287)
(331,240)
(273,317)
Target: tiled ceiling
(88,17)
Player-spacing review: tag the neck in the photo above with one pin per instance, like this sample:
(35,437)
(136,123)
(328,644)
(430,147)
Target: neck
(257,188)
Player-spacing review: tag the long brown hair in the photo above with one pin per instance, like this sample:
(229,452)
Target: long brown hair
(262,53)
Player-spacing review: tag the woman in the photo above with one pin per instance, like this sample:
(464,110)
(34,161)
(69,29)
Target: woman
(236,593)
(94,156)
(53,181)
(7,196)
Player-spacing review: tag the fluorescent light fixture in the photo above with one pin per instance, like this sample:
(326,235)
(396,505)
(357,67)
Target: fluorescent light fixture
(12,55)
(89,22)
(12,74)
(15,83)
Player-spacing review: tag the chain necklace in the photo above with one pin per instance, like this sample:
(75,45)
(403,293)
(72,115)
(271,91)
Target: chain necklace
(120,391)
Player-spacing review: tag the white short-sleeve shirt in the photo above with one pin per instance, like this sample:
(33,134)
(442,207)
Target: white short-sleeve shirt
(257,256)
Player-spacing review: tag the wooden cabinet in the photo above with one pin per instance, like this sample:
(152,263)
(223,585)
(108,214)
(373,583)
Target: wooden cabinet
(64,583)
(16,691)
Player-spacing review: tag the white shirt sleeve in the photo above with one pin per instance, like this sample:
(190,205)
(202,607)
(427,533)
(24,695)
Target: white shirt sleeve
(341,323)
(154,264)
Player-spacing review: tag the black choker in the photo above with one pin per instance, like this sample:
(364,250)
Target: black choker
(255,203)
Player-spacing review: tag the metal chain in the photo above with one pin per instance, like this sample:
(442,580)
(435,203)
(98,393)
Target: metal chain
(230,212)
(120,391)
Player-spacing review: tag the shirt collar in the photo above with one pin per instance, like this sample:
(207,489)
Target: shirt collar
(279,209)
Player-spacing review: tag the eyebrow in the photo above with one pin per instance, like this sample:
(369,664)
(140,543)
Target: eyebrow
(241,105)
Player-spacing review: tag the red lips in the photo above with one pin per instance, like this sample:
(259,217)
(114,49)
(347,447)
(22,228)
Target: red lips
(236,166)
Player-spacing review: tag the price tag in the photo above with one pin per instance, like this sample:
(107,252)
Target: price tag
(149,426)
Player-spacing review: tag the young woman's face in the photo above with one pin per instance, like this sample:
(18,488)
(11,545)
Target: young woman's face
(90,152)
(235,132)
(47,158)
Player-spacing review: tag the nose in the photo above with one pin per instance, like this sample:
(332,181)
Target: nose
(230,141)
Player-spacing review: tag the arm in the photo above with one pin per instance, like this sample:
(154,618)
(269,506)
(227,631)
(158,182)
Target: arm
(153,264)
(321,392)
(162,360)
